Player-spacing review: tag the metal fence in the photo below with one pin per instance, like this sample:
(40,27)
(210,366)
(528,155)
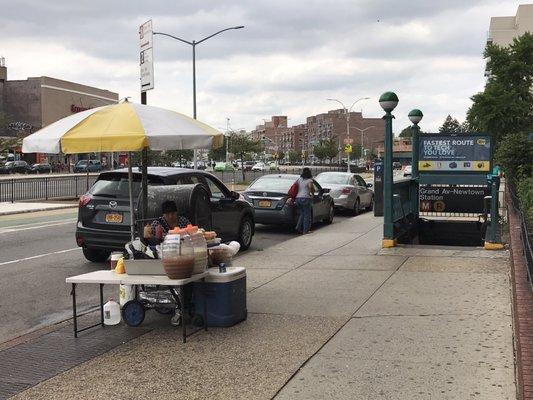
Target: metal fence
(45,188)
(72,186)
(526,233)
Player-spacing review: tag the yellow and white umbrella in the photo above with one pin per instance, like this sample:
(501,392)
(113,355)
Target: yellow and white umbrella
(122,127)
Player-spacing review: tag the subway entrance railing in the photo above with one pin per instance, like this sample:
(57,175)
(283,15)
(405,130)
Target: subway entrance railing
(452,196)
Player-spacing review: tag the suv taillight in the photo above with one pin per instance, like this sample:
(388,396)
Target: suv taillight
(86,198)
(346,190)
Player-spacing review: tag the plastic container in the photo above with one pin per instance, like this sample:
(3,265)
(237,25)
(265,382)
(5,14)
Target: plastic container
(200,249)
(225,293)
(125,294)
(178,257)
(111,312)
(115,256)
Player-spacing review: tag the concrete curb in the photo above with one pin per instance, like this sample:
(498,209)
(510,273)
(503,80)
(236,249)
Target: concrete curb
(4,213)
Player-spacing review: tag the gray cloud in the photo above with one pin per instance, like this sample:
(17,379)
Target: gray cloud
(290,51)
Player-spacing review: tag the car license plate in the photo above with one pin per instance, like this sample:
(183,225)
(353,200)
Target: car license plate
(113,218)
(264,203)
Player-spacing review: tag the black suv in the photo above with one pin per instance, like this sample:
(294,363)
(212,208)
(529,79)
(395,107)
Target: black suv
(12,167)
(232,217)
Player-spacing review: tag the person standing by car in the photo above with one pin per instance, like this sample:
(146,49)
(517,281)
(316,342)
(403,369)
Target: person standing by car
(304,201)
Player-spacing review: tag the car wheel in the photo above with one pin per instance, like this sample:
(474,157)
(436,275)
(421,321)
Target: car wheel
(356,207)
(331,214)
(246,232)
(371,205)
(94,255)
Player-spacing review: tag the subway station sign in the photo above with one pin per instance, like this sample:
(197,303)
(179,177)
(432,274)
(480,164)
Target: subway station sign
(452,199)
(453,153)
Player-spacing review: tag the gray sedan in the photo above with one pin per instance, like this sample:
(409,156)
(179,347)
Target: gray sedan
(268,195)
(347,190)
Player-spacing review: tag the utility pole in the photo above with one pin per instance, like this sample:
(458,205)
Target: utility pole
(347,112)
(194,43)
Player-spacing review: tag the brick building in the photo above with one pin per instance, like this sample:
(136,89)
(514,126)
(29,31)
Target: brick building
(332,124)
(30,104)
(402,150)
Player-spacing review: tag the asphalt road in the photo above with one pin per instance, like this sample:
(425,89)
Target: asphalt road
(38,251)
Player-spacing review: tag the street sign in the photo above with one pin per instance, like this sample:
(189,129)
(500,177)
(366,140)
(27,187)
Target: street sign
(453,153)
(348,148)
(146,59)
(348,141)
(453,199)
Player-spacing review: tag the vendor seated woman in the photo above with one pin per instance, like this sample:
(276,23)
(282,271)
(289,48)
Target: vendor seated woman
(169,220)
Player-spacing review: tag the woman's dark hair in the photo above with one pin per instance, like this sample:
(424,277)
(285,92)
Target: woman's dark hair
(168,207)
(306,173)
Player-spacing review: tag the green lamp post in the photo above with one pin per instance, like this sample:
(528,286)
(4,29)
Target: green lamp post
(415,116)
(388,101)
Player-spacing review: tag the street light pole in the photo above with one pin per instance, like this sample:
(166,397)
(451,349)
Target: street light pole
(362,132)
(388,101)
(193,44)
(347,112)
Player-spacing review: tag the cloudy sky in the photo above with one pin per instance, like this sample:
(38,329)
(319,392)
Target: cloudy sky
(291,56)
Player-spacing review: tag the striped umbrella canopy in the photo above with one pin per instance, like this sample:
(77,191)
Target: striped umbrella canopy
(122,127)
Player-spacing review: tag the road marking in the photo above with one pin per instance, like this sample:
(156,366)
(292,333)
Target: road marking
(35,225)
(39,256)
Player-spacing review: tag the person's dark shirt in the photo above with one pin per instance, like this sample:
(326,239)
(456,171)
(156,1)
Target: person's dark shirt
(161,221)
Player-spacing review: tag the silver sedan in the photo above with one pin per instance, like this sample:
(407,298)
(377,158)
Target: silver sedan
(348,191)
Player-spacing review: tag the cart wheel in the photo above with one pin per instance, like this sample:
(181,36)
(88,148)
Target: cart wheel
(164,310)
(133,313)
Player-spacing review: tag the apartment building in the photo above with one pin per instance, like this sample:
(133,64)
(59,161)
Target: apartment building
(503,30)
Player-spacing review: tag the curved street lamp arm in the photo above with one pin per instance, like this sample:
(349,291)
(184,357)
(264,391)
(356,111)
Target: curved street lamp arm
(353,104)
(216,33)
(173,37)
(340,102)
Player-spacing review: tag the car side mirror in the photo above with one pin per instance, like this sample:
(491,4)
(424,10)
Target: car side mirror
(369,185)
(324,190)
(234,195)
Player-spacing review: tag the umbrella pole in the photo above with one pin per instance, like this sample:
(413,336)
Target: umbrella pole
(130,179)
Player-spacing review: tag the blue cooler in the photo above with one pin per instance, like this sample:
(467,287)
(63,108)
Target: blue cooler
(225,293)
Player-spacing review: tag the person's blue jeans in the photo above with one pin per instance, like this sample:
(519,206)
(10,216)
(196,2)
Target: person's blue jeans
(304,207)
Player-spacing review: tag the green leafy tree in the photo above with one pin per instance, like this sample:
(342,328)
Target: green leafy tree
(9,143)
(406,132)
(294,157)
(281,155)
(514,155)
(506,105)
(181,156)
(242,144)
(326,149)
(450,125)
(220,153)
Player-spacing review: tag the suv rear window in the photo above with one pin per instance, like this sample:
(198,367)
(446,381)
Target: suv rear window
(116,186)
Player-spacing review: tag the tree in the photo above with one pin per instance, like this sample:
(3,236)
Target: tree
(450,125)
(326,149)
(220,153)
(182,156)
(9,143)
(514,155)
(242,144)
(281,155)
(294,157)
(506,105)
(406,132)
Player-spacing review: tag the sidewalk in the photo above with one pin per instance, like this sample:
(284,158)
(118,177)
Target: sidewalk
(331,315)
(20,207)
